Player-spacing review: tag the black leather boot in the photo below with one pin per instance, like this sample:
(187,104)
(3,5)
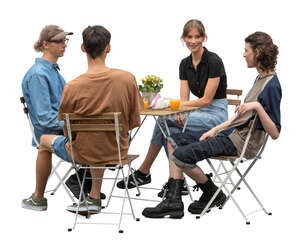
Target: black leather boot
(209,189)
(172,205)
(164,190)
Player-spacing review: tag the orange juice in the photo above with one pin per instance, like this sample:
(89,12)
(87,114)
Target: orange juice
(145,105)
(174,104)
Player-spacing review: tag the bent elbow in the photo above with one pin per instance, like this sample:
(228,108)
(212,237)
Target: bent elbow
(275,136)
(206,103)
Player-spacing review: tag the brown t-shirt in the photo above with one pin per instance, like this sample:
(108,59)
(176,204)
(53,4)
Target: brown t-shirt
(112,90)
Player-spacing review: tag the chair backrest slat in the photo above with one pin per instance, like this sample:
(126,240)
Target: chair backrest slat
(105,127)
(93,123)
(104,116)
(25,109)
(234,102)
(234,92)
(97,123)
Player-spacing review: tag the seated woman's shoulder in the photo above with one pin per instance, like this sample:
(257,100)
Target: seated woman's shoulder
(274,83)
(214,57)
(186,59)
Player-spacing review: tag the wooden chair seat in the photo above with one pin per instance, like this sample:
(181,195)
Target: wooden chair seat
(224,158)
(129,159)
(126,161)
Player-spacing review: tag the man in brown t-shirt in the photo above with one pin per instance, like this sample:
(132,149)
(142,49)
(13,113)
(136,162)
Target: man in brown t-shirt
(99,90)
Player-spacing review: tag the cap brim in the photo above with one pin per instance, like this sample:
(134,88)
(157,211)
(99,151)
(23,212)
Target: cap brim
(61,35)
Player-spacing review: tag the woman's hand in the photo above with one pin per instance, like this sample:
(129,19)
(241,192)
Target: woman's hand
(244,108)
(265,119)
(211,133)
(179,119)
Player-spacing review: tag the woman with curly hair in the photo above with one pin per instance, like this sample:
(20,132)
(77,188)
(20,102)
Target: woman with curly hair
(227,138)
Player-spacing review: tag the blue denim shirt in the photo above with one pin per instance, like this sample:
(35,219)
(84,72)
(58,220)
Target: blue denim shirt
(42,89)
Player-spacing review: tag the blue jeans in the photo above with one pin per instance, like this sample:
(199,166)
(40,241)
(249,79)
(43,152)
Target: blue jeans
(202,119)
(188,150)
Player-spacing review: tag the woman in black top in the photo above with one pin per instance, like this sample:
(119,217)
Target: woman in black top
(203,74)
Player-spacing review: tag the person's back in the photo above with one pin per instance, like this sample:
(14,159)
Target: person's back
(111,90)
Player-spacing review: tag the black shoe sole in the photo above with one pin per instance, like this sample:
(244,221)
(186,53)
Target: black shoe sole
(216,203)
(84,213)
(171,214)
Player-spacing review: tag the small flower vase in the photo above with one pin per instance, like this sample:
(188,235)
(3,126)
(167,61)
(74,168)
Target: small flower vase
(149,96)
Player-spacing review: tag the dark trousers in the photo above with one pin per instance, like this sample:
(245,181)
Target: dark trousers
(188,150)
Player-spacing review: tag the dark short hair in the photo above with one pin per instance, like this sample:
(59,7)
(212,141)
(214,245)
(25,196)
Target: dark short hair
(268,51)
(95,40)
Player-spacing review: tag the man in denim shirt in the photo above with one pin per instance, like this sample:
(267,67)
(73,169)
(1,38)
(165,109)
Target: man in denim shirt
(43,85)
(42,89)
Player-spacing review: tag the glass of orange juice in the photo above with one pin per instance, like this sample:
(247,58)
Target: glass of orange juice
(174,104)
(145,104)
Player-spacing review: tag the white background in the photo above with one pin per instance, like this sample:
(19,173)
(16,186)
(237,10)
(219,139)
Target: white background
(146,40)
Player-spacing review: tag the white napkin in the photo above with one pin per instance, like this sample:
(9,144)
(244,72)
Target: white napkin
(161,103)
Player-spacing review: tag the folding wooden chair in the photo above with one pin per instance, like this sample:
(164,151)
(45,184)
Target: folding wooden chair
(54,167)
(233,99)
(76,123)
(235,162)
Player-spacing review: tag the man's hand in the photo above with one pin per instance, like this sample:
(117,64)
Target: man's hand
(179,120)
(244,108)
(211,133)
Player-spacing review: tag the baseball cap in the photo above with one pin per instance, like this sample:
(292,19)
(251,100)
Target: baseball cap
(53,33)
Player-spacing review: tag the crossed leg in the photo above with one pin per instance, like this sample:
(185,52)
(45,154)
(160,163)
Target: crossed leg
(177,172)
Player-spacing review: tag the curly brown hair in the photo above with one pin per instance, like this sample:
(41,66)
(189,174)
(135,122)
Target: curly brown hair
(267,51)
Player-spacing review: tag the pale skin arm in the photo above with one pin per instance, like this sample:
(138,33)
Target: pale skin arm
(209,93)
(214,131)
(265,119)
